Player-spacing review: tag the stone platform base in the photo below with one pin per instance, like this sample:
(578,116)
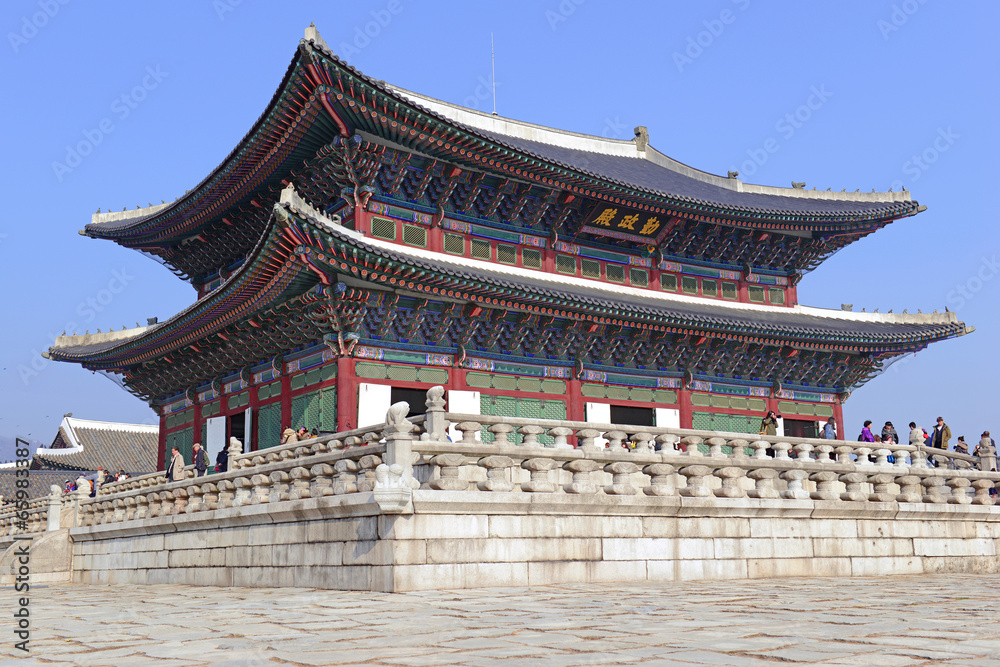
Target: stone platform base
(459,539)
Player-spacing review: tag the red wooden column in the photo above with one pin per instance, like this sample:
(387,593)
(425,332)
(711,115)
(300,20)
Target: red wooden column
(347,394)
(684,405)
(254,444)
(196,423)
(575,405)
(838,413)
(162,454)
(286,400)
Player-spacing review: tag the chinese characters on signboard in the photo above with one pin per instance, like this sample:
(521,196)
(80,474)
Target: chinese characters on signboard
(617,220)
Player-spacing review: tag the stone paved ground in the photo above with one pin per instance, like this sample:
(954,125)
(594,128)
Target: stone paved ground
(915,620)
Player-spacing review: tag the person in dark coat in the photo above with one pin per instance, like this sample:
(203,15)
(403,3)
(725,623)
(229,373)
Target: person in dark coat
(200,461)
(222,460)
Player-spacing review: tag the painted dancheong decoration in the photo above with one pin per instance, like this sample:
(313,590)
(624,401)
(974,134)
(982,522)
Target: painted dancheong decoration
(363,243)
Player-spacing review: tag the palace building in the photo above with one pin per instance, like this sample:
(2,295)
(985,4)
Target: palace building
(364,243)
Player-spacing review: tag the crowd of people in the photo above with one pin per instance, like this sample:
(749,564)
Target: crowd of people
(938,438)
(91,482)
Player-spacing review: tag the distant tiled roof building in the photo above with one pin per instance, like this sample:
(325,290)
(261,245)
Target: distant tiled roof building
(40,482)
(81,445)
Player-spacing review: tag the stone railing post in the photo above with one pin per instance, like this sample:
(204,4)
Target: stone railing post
(760,448)
(280,485)
(882,456)
(909,489)
(368,463)
(180,497)
(863,454)
(844,453)
(781,451)
(210,496)
(715,446)
(227,492)
(803,451)
(531,433)
(194,504)
(560,435)
(581,469)
(621,478)
(667,443)
(853,481)
(539,469)
(731,487)
(321,483)
(823,453)
(448,465)
(825,481)
(695,481)
(932,489)
(300,483)
(764,481)
(641,443)
(900,456)
(691,445)
(234,449)
(739,447)
(55,508)
(959,495)
(794,479)
(470,432)
(918,458)
(346,480)
(261,489)
(615,440)
(659,480)
(496,473)
(880,487)
(500,433)
(982,487)
(435,425)
(586,439)
(399,441)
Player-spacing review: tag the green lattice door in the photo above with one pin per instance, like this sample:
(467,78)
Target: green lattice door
(523,408)
(328,409)
(268,425)
(305,411)
(183,441)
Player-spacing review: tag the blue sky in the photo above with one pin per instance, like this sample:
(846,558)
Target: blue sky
(119,104)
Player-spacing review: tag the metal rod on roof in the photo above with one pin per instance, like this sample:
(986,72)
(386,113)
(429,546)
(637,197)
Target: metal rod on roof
(493,75)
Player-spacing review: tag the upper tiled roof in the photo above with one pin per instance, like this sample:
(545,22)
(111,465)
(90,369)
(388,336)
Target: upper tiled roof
(83,445)
(39,482)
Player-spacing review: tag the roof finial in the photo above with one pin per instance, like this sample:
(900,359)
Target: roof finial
(641,138)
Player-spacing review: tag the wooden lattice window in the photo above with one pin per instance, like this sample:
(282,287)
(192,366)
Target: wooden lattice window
(756,294)
(531,258)
(590,269)
(689,285)
(615,273)
(638,277)
(480,249)
(414,235)
(454,244)
(384,229)
(729,291)
(709,287)
(668,282)
(565,264)
(506,254)
(776,296)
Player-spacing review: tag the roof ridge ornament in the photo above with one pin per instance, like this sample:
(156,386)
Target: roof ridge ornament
(312,34)
(641,138)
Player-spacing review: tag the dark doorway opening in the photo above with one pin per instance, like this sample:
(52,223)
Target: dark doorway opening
(800,428)
(626,414)
(236,424)
(415,397)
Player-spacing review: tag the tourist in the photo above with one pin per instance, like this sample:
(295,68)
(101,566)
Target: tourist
(68,486)
(942,434)
(830,429)
(288,436)
(889,434)
(960,446)
(303,433)
(122,475)
(866,432)
(986,450)
(222,460)
(175,471)
(769,424)
(200,460)
(916,435)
